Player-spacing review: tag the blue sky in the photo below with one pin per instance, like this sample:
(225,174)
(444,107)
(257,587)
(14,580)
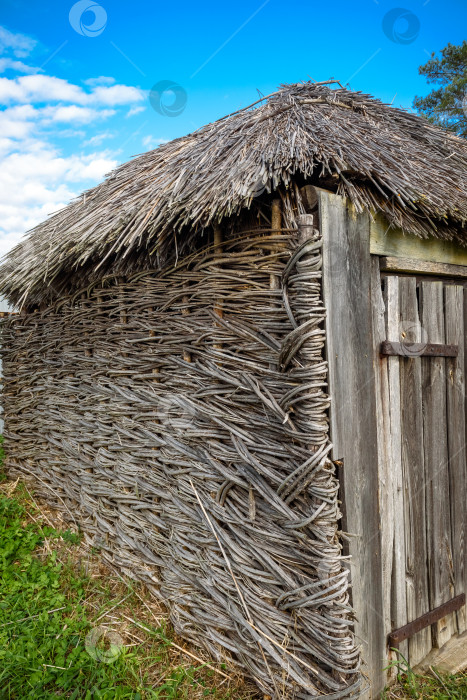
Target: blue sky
(75,77)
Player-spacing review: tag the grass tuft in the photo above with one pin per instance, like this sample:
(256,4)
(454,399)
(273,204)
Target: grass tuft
(434,685)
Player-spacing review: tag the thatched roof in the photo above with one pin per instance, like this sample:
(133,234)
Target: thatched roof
(384,159)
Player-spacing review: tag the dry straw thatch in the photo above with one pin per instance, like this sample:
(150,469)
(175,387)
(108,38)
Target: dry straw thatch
(384,159)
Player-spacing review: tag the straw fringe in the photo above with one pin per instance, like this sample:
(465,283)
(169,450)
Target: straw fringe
(384,159)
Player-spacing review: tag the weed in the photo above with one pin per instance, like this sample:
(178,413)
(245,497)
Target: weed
(430,686)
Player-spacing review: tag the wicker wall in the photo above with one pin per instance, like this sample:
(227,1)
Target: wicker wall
(181,419)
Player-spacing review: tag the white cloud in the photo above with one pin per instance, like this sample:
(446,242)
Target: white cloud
(116,95)
(35,185)
(39,88)
(94,167)
(16,122)
(80,115)
(47,88)
(101,80)
(37,176)
(36,170)
(18,66)
(134,110)
(19,44)
(98,139)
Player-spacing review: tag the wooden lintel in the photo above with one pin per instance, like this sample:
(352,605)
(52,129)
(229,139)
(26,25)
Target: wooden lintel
(395,242)
(422,267)
(418,349)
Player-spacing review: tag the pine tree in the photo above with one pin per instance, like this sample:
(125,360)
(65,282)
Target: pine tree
(447,104)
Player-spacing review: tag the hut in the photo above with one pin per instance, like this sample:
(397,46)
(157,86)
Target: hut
(238,364)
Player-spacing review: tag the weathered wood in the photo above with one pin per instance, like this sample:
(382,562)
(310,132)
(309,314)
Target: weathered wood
(347,297)
(308,194)
(385,490)
(455,381)
(276,223)
(451,659)
(397,582)
(413,489)
(409,349)
(436,461)
(385,450)
(305,227)
(422,267)
(395,243)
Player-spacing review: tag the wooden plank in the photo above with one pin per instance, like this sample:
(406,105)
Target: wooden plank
(347,297)
(438,515)
(394,242)
(422,267)
(406,349)
(397,582)
(385,471)
(452,658)
(455,333)
(412,456)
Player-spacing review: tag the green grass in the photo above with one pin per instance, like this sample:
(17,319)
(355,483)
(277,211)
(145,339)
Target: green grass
(434,685)
(49,603)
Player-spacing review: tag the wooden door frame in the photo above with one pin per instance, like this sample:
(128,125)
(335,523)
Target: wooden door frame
(347,295)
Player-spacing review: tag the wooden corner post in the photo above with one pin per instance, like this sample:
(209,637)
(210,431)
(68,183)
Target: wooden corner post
(353,414)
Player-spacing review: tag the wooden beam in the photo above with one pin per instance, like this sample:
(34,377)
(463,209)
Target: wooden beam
(463,525)
(310,197)
(353,416)
(276,223)
(396,243)
(422,267)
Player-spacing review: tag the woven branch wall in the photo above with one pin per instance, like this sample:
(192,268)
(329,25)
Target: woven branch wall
(180,417)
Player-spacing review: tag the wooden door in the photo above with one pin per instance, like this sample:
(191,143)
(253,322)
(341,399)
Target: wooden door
(387,431)
(425,485)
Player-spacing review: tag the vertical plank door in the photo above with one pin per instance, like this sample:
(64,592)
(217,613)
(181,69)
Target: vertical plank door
(413,469)
(397,581)
(435,439)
